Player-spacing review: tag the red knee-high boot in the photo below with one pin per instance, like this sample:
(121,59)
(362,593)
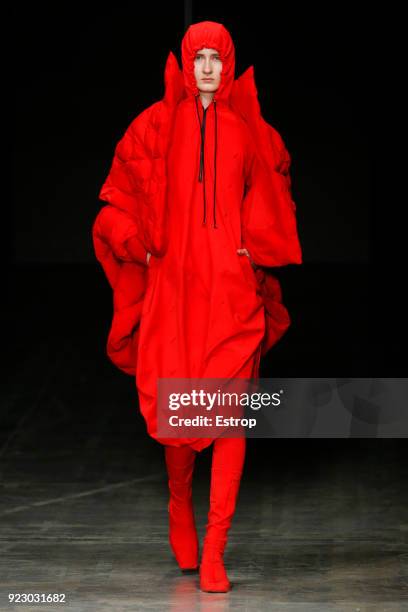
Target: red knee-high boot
(226,470)
(183,537)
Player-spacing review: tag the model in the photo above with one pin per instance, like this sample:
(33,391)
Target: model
(197,208)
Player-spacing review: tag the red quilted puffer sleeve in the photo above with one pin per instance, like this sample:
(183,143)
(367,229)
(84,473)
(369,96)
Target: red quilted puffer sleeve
(268,219)
(130,168)
(120,225)
(136,183)
(116,230)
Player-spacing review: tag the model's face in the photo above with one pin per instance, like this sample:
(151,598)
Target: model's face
(207,65)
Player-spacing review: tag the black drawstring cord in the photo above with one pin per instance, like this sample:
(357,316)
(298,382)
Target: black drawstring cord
(215,158)
(201,176)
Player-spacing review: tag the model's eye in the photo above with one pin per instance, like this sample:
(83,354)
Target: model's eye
(198,57)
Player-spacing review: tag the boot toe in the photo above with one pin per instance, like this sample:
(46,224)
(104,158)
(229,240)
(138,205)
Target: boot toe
(213,576)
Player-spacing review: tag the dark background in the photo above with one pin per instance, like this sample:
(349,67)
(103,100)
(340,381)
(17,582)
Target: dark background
(81,73)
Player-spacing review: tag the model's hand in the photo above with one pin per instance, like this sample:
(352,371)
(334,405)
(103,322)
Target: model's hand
(148,257)
(245,252)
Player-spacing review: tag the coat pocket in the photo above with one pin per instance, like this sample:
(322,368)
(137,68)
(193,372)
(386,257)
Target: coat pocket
(151,286)
(248,271)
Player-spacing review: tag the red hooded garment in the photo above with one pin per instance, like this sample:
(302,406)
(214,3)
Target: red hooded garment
(191,186)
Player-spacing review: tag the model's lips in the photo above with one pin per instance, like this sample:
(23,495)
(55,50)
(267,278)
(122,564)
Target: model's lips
(207,79)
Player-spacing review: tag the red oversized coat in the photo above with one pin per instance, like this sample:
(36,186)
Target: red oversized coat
(191,186)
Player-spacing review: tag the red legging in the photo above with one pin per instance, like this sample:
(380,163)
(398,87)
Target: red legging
(229,453)
(227,463)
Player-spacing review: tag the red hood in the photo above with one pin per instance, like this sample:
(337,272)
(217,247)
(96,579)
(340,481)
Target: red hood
(210,35)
